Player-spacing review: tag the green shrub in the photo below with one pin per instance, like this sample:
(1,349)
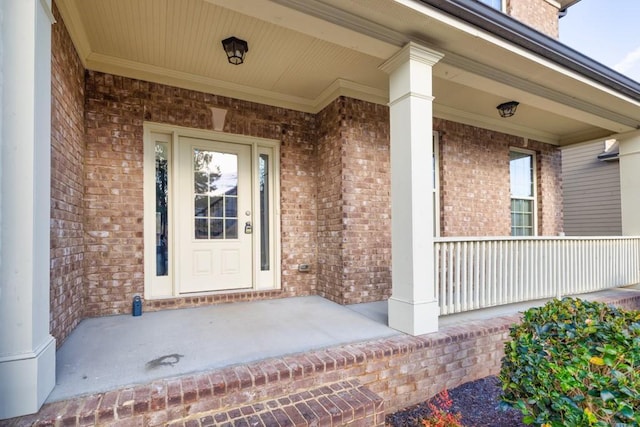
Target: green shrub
(574,363)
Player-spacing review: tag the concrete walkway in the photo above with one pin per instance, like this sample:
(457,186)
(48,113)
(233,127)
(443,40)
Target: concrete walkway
(110,352)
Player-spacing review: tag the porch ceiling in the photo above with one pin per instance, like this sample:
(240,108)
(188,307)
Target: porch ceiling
(303,53)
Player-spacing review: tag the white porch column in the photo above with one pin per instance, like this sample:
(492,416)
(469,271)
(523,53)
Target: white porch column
(413,308)
(27,350)
(629,179)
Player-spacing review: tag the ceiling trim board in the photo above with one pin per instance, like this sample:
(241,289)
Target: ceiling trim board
(498,125)
(340,87)
(73,22)
(494,74)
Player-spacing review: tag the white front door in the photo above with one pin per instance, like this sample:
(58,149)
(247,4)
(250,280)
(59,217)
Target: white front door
(214,216)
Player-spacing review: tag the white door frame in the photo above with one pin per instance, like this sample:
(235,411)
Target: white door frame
(159,287)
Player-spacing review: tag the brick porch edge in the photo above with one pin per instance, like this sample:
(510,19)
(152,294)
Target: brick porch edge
(402,370)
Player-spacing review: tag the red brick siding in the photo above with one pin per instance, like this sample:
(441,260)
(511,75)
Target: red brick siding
(550,213)
(354,237)
(330,203)
(474,181)
(347,143)
(116,108)
(67,158)
(366,207)
(538,14)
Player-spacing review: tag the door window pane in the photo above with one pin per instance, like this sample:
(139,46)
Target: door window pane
(215,189)
(162,213)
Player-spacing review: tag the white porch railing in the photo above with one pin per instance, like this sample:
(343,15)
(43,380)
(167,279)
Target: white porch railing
(474,273)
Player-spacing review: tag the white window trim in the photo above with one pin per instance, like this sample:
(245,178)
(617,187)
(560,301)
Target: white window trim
(503,5)
(534,165)
(154,289)
(436,184)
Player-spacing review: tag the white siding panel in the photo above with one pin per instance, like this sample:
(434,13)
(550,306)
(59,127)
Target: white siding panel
(591,192)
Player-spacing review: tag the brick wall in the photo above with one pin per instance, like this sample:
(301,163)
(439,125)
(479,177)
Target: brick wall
(346,146)
(550,199)
(330,203)
(474,181)
(67,152)
(116,108)
(538,14)
(354,225)
(366,183)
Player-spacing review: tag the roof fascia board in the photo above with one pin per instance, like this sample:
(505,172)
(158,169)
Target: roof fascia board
(536,89)
(331,14)
(505,27)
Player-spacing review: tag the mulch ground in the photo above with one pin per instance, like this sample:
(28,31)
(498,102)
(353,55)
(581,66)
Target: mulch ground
(476,401)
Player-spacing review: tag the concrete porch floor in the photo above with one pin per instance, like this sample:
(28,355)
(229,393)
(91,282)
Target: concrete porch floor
(106,353)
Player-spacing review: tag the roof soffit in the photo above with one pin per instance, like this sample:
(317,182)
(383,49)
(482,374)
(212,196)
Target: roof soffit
(472,57)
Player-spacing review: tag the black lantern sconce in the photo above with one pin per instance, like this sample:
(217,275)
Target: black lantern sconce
(507,109)
(235,50)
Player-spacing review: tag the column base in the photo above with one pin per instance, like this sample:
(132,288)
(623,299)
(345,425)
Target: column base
(26,380)
(413,318)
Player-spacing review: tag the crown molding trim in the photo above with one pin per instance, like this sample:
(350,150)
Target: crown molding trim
(498,125)
(140,71)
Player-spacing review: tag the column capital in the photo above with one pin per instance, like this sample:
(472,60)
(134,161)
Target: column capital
(411,52)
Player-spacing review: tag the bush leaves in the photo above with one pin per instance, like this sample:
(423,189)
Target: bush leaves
(574,363)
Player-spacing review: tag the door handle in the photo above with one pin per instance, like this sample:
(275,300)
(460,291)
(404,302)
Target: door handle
(248,228)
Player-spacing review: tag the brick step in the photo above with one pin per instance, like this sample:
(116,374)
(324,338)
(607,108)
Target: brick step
(346,403)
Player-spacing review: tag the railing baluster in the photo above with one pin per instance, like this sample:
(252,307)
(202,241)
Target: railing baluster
(450,278)
(476,277)
(463,276)
(483,272)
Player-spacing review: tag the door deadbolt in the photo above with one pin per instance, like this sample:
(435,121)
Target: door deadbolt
(248,228)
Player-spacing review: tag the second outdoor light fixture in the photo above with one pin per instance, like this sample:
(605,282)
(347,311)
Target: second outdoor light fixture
(507,109)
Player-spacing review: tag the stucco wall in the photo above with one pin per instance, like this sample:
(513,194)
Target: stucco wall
(67,182)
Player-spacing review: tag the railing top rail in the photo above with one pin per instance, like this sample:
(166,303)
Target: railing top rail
(530,238)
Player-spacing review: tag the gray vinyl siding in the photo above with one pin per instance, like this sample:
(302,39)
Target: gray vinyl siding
(591,191)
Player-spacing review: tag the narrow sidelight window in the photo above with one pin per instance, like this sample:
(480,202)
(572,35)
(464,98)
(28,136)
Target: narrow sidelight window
(162,213)
(264,211)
